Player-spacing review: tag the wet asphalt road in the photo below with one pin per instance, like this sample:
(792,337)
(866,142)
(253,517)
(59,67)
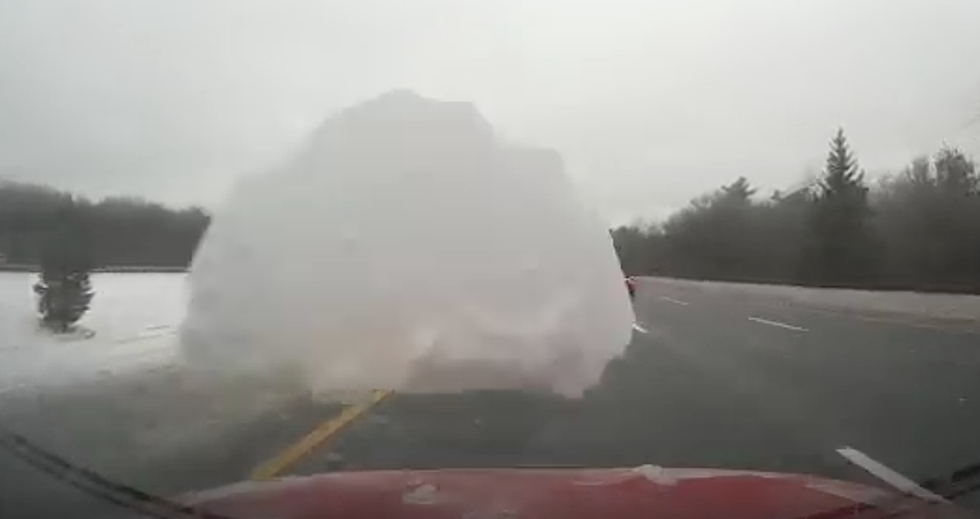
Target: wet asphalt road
(716,381)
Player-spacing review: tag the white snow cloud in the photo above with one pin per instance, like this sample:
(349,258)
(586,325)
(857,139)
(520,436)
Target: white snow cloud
(342,264)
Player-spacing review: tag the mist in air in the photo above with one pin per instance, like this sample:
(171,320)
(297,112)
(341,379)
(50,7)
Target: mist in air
(406,247)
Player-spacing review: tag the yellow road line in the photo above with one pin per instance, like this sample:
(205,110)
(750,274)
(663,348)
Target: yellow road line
(311,441)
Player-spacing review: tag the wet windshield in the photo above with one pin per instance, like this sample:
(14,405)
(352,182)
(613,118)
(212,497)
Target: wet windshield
(240,242)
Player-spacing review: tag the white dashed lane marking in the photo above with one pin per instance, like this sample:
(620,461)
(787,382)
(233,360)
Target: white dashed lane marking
(675,301)
(777,324)
(886,474)
(640,329)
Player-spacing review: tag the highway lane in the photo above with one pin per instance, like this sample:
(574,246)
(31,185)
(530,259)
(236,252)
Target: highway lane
(734,382)
(717,381)
(905,389)
(682,395)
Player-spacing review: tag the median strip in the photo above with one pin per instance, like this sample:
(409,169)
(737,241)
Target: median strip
(777,324)
(295,452)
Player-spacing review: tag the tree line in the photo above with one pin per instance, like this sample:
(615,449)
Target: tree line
(112,232)
(918,229)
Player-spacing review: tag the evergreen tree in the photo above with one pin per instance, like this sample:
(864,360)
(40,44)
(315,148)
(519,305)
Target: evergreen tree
(64,289)
(842,248)
(739,192)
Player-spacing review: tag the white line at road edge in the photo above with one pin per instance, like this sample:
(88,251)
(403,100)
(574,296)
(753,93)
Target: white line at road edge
(777,324)
(675,301)
(888,475)
(640,329)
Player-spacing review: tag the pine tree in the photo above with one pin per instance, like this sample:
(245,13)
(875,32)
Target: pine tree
(739,191)
(64,289)
(842,248)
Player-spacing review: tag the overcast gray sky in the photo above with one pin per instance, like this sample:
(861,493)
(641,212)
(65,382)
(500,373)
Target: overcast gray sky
(650,101)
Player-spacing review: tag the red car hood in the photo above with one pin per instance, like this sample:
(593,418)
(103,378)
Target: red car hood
(624,493)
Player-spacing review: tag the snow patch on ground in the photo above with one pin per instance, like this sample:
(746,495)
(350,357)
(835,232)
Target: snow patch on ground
(423,495)
(408,248)
(124,393)
(134,319)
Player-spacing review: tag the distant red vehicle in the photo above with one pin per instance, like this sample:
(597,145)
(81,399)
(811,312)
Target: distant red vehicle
(631,286)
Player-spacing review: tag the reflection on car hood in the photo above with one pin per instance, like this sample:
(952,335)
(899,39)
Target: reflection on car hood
(645,491)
